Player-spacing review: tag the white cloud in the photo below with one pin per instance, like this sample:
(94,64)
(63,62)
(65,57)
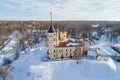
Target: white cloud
(66,9)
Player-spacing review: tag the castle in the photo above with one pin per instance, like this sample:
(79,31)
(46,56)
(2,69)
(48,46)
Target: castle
(60,47)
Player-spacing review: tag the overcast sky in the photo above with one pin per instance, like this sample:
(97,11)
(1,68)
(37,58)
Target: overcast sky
(61,9)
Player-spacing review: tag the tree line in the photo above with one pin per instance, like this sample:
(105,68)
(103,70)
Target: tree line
(74,28)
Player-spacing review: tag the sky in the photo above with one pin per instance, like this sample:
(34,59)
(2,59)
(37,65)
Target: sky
(61,9)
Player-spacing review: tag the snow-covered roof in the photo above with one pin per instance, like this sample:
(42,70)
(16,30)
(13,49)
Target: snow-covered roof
(69,44)
(95,25)
(71,39)
(73,44)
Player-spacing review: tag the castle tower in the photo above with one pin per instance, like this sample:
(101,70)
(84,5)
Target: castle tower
(52,40)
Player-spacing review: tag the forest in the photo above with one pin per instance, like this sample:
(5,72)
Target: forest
(73,28)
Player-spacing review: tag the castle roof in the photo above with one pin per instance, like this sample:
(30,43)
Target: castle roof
(69,44)
(62,44)
(51,29)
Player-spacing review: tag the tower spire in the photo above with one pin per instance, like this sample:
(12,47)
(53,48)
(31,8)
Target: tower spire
(51,16)
(51,28)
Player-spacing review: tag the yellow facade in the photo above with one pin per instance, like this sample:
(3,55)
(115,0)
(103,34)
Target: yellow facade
(63,36)
(54,51)
(64,52)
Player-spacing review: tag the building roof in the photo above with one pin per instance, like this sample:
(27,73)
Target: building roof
(62,44)
(51,29)
(69,44)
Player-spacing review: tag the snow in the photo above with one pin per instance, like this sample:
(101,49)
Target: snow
(94,33)
(72,39)
(23,65)
(108,29)
(10,45)
(8,51)
(72,44)
(32,67)
(104,46)
(15,34)
(110,51)
(92,53)
(95,25)
(117,45)
(105,50)
(13,37)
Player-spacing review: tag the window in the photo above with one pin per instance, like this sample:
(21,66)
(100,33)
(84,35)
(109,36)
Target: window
(53,39)
(62,56)
(56,55)
(54,51)
(66,50)
(70,55)
(75,49)
(66,54)
(70,50)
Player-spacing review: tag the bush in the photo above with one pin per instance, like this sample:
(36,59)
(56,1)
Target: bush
(4,72)
(7,61)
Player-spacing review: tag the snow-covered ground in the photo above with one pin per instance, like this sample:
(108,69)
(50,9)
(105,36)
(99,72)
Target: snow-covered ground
(105,50)
(103,47)
(10,45)
(23,66)
(8,51)
(109,51)
(31,67)
(13,37)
